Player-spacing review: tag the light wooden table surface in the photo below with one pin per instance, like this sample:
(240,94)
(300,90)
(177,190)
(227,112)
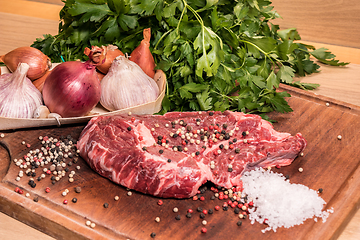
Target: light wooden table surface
(21,22)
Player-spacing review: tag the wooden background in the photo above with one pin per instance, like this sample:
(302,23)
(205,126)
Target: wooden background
(323,23)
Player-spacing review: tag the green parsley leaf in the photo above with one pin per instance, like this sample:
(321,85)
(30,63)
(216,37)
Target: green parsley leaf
(217,54)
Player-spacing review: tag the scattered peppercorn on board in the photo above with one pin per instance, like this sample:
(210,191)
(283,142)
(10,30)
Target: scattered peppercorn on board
(83,205)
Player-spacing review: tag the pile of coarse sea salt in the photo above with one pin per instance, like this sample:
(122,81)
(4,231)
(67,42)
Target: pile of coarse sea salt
(280,203)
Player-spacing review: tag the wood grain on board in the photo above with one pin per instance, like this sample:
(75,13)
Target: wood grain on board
(327,164)
(320,23)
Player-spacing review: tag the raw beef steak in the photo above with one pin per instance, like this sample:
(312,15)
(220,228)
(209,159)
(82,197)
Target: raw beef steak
(174,154)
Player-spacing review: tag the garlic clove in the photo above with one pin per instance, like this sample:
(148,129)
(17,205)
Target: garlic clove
(41,112)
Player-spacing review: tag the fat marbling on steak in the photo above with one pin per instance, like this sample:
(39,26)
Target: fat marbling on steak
(174,154)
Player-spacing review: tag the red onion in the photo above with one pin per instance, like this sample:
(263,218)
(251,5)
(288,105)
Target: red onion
(73,89)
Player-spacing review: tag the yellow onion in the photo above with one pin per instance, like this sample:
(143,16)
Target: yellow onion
(38,62)
(111,53)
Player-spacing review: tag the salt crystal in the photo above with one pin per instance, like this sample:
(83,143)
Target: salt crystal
(283,204)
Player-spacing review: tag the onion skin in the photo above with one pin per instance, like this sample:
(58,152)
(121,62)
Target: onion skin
(142,56)
(72,89)
(39,63)
(100,75)
(111,54)
(39,83)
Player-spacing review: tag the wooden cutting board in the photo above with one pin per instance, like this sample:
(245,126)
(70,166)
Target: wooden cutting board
(328,163)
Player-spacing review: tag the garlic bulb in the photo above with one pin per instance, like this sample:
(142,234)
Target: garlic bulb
(18,96)
(126,85)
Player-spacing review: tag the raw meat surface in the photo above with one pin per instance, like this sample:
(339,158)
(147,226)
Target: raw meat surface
(172,155)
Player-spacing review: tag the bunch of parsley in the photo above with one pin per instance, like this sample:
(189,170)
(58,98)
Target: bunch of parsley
(217,54)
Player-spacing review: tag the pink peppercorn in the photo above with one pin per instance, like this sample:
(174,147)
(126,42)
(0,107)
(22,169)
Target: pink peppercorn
(133,119)
(65,201)
(20,191)
(226,196)
(17,189)
(233,205)
(28,145)
(160,202)
(47,189)
(221,197)
(195,198)
(217,208)
(202,198)
(48,172)
(229,202)
(190,210)
(203,230)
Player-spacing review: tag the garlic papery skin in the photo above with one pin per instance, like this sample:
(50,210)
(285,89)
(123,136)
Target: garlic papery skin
(18,96)
(126,85)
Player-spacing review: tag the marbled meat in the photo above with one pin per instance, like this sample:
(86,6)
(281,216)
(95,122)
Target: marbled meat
(172,155)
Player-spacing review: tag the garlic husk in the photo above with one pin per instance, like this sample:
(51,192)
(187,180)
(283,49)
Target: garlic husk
(126,85)
(18,96)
